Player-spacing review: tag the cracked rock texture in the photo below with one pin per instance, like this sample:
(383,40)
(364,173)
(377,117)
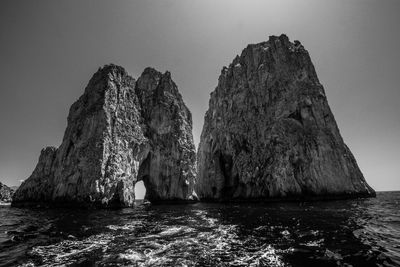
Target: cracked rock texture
(269,132)
(119,132)
(5,193)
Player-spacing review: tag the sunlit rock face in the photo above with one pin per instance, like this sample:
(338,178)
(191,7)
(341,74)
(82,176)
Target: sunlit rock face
(118,132)
(269,132)
(6,193)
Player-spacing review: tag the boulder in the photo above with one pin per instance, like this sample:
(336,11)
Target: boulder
(6,193)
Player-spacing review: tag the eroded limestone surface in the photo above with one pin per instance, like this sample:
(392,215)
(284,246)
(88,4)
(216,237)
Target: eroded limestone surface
(119,132)
(269,131)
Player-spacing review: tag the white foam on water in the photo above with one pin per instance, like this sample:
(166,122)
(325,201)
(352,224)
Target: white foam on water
(265,257)
(67,251)
(161,255)
(130,226)
(315,243)
(132,256)
(173,230)
(285,233)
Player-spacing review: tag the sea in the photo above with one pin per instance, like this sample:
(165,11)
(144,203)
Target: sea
(358,232)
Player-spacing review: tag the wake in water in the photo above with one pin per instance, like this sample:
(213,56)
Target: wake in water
(337,233)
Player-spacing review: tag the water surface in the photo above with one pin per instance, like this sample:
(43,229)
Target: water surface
(362,232)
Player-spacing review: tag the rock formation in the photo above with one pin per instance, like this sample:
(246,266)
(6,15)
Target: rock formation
(6,193)
(119,132)
(269,132)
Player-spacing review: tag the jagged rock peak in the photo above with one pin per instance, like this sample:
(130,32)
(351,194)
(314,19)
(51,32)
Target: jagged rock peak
(111,69)
(109,72)
(149,79)
(269,132)
(152,79)
(118,132)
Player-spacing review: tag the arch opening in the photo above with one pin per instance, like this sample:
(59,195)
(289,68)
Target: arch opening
(140,190)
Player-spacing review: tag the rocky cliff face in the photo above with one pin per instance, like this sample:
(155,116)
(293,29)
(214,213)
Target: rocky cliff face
(6,193)
(269,131)
(119,132)
(169,169)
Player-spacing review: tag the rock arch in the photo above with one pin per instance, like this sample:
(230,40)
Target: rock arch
(119,131)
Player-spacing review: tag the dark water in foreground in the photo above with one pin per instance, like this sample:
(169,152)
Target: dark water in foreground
(337,233)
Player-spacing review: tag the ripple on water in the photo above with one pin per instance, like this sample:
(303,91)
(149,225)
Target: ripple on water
(134,225)
(70,251)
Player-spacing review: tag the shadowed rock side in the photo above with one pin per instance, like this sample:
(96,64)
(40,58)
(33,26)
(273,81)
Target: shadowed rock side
(269,132)
(169,169)
(119,132)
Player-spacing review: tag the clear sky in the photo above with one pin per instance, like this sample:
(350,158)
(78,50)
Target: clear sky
(50,49)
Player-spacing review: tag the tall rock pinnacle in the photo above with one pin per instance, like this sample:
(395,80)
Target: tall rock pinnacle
(119,132)
(269,131)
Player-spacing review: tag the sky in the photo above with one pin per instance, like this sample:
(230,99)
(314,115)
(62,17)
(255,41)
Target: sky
(50,49)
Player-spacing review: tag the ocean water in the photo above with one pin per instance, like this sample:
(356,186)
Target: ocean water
(364,232)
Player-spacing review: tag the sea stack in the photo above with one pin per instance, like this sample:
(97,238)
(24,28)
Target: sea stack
(269,132)
(119,132)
